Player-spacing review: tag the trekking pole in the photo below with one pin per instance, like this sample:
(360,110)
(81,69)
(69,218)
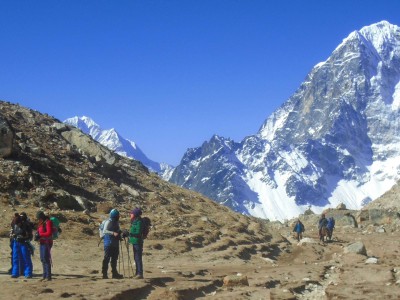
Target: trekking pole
(129,258)
(128,262)
(119,264)
(122,257)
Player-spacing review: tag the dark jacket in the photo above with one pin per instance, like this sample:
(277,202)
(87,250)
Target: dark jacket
(136,231)
(322,222)
(22,232)
(110,227)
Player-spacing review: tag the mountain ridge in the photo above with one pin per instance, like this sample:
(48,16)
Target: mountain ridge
(334,140)
(114,141)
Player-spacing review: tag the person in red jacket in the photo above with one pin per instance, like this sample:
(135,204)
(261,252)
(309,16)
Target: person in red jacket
(45,237)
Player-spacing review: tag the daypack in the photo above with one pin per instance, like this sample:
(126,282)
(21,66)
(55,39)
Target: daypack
(56,230)
(146,222)
(102,227)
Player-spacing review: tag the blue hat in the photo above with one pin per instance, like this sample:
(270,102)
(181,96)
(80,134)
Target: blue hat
(114,213)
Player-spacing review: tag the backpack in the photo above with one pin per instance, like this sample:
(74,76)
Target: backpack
(146,222)
(56,230)
(102,227)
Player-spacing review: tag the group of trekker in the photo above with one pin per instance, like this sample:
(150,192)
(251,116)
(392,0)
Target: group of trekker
(325,228)
(113,237)
(21,236)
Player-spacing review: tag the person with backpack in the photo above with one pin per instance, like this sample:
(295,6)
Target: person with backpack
(330,226)
(299,229)
(16,215)
(22,262)
(44,236)
(112,238)
(28,224)
(136,239)
(322,222)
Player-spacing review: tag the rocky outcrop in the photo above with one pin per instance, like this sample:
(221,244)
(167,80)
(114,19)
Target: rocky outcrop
(85,143)
(378,216)
(357,248)
(6,138)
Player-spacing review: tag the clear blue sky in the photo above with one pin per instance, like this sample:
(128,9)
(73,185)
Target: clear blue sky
(169,74)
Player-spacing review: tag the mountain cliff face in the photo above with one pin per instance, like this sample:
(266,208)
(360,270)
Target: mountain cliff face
(114,141)
(335,140)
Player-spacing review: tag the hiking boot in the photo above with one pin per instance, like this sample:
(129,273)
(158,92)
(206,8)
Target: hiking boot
(117,276)
(138,276)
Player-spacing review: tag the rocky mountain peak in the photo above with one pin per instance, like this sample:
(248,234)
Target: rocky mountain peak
(336,139)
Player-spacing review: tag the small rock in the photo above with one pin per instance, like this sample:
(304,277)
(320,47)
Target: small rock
(371,260)
(235,280)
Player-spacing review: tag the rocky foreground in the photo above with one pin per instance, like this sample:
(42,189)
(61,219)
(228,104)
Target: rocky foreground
(360,263)
(196,248)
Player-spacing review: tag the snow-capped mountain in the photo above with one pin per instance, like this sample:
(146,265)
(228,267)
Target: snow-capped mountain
(337,139)
(114,141)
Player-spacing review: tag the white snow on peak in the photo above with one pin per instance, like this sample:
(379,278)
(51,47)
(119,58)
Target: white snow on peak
(396,97)
(112,140)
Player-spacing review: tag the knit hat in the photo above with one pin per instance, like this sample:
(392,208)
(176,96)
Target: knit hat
(136,212)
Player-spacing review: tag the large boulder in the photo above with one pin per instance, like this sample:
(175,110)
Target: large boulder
(89,146)
(357,248)
(6,138)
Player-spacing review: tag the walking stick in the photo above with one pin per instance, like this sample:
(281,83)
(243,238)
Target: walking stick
(129,258)
(122,256)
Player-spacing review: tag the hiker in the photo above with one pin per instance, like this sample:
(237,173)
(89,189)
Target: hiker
(44,235)
(136,239)
(16,215)
(330,226)
(21,257)
(322,222)
(112,237)
(30,226)
(299,229)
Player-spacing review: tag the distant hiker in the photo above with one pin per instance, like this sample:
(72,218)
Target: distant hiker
(330,226)
(44,235)
(299,229)
(136,239)
(22,262)
(112,237)
(322,222)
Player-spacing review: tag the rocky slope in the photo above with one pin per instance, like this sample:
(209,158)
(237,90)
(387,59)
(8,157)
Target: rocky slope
(59,168)
(335,140)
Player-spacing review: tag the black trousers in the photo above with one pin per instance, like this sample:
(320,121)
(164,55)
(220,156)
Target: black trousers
(110,253)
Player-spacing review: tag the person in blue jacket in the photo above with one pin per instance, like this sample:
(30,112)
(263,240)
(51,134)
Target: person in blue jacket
(21,254)
(112,237)
(299,229)
(330,226)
